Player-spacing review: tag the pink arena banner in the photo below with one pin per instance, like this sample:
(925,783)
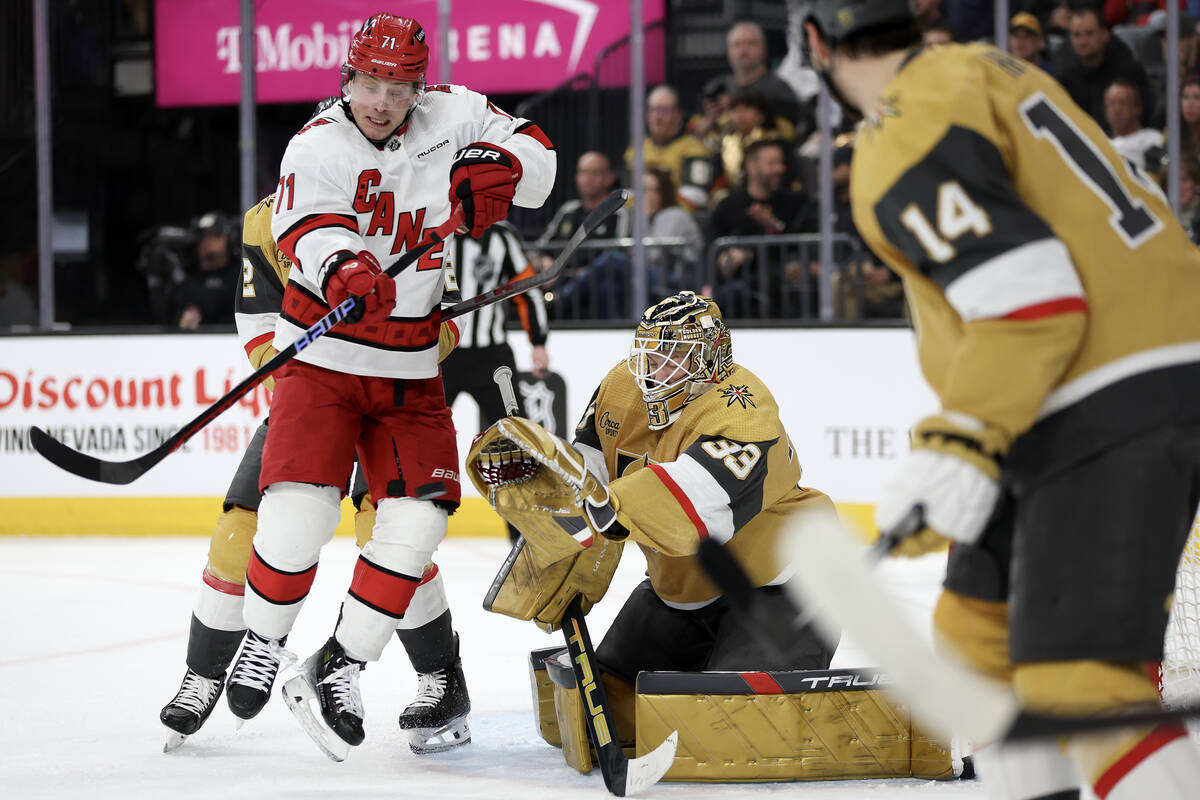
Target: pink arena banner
(496,46)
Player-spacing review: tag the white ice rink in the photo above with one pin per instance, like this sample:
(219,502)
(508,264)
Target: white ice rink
(92,645)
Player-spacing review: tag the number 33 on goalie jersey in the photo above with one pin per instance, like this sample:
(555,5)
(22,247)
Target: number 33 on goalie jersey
(724,469)
(1039,265)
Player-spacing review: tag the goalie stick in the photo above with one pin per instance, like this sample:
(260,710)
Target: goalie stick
(123,472)
(833,580)
(623,776)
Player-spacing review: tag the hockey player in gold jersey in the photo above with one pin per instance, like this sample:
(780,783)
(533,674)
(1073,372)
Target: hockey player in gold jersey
(217,627)
(678,443)
(1053,296)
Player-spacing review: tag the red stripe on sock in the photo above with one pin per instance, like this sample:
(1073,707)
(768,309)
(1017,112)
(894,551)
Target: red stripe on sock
(1155,740)
(276,585)
(383,590)
(224,587)
(762,683)
(429,574)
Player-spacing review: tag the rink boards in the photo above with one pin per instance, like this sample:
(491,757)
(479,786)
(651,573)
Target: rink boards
(847,397)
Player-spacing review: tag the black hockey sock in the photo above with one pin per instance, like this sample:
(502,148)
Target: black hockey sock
(211,651)
(432,646)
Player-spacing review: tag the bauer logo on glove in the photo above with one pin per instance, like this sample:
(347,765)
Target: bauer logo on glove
(483,180)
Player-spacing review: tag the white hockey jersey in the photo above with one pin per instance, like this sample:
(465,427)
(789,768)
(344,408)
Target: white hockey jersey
(338,191)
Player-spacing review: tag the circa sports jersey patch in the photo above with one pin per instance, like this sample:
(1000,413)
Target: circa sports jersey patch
(738,394)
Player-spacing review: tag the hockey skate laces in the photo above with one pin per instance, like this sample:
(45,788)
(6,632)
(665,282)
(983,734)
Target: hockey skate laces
(344,688)
(431,688)
(260,662)
(196,693)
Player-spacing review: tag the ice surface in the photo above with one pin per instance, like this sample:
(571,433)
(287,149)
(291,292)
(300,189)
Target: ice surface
(94,634)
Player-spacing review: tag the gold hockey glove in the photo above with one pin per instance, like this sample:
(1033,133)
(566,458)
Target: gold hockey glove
(540,484)
(953,471)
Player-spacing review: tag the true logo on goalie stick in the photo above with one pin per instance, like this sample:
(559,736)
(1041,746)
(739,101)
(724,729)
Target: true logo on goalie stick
(587,688)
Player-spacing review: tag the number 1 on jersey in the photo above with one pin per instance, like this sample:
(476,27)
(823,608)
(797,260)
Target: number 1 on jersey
(1130,218)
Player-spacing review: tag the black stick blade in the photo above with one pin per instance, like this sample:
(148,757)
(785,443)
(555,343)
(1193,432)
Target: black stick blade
(92,468)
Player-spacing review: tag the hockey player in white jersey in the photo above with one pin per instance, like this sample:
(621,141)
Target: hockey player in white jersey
(358,186)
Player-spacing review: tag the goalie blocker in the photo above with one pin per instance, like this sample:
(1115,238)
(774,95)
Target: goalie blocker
(753,726)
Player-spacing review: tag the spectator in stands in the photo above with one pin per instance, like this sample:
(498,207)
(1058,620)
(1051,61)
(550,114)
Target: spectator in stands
(746,49)
(1189,198)
(750,121)
(927,12)
(1123,112)
(764,204)
(1095,59)
(1025,40)
(938,33)
(1189,117)
(713,120)
(691,164)
(1153,56)
(677,266)
(206,294)
(970,19)
(594,179)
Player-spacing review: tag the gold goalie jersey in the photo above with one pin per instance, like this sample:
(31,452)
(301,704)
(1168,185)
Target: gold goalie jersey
(1052,291)
(725,468)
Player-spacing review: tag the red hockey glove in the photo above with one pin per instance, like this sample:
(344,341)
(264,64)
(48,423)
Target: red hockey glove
(483,178)
(360,276)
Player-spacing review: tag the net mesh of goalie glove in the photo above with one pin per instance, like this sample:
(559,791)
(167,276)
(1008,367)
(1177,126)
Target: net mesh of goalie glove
(953,472)
(540,484)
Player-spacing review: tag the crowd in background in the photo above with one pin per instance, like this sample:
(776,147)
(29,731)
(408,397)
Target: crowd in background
(731,175)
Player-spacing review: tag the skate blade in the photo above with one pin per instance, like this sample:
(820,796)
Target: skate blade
(454,733)
(174,740)
(300,698)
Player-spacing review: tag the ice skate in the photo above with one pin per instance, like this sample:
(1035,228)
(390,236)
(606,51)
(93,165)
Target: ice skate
(187,711)
(328,679)
(253,675)
(437,719)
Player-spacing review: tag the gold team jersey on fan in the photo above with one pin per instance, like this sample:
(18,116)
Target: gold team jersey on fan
(1052,291)
(725,468)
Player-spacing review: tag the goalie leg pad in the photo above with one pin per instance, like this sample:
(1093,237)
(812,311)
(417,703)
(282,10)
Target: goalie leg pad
(541,688)
(802,726)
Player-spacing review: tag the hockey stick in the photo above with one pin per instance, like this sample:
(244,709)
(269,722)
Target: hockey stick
(122,472)
(595,218)
(833,580)
(623,776)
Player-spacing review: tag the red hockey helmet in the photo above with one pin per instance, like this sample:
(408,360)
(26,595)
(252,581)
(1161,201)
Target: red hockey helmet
(390,47)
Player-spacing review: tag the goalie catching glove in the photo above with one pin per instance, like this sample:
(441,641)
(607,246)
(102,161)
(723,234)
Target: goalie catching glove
(540,484)
(953,472)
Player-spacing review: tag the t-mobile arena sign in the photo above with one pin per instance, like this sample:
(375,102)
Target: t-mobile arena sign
(496,46)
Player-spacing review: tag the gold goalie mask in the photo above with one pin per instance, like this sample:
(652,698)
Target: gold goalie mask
(681,349)
(541,485)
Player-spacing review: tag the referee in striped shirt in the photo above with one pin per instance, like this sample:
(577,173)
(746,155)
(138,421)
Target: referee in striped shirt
(494,259)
